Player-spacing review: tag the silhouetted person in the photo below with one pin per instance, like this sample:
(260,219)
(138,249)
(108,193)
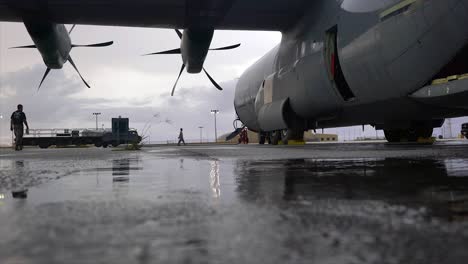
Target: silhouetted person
(18,118)
(181,137)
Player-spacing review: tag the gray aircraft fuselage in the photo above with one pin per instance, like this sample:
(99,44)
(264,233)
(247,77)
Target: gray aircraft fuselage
(356,62)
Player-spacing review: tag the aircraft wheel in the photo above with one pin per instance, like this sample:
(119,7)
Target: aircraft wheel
(291,134)
(408,135)
(275,137)
(393,136)
(261,138)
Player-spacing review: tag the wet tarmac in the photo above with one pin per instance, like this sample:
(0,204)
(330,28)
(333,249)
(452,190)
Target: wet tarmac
(324,203)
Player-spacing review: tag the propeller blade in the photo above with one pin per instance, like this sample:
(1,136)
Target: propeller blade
(228,47)
(24,47)
(212,80)
(71,29)
(43,78)
(76,69)
(97,45)
(174,51)
(179,33)
(180,74)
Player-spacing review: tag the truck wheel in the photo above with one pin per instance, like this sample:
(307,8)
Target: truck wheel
(98,144)
(115,144)
(105,145)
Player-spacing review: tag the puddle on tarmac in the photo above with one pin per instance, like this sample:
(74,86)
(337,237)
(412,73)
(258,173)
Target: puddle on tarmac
(438,185)
(142,209)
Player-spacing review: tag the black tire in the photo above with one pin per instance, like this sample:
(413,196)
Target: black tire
(261,138)
(291,134)
(275,137)
(394,136)
(408,135)
(105,145)
(98,144)
(115,144)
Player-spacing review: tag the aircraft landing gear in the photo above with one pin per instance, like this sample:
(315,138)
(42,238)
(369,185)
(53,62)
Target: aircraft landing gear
(285,136)
(262,138)
(288,135)
(275,137)
(408,135)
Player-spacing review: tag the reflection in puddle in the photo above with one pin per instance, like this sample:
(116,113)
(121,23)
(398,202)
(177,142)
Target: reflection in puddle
(121,175)
(214,179)
(19,189)
(121,170)
(441,186)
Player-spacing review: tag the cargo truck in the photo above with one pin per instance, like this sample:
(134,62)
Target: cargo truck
(119,134)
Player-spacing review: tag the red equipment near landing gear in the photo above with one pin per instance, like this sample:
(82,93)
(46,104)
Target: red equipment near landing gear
(243,137)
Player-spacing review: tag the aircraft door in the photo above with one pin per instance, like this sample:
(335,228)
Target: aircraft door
(335,71)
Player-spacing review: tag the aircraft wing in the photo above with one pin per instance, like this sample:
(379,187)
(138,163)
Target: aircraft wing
(220,14)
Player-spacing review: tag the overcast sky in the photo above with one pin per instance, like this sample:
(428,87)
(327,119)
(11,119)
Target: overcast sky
(127,84)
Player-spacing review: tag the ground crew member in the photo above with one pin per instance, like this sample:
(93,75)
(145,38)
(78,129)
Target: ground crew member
(181,137)
(244,137)
(18,118)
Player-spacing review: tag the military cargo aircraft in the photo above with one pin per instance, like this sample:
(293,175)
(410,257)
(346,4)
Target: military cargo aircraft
(397,65)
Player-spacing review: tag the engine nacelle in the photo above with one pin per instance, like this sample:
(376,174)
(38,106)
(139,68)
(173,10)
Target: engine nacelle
(194,47)
(52,41)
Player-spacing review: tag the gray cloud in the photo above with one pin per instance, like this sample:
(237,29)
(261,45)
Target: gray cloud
(56,106)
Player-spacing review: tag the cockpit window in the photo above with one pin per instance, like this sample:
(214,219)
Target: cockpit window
(363,6)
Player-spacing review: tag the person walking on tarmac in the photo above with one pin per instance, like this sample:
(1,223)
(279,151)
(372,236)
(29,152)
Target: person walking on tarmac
(18,118)
(181,137)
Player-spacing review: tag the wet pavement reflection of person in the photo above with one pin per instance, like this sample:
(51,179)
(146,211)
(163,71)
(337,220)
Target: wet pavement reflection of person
(412,183)
(214,179)
(19,190)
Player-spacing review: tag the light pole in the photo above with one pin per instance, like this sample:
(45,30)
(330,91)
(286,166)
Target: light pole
(96,114)
(201,134)
(215,112)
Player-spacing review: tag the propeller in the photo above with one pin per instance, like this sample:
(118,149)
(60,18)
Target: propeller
(96,45)
(71,29)
(24,47)
(76,69)
(179,51)
(43,78)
